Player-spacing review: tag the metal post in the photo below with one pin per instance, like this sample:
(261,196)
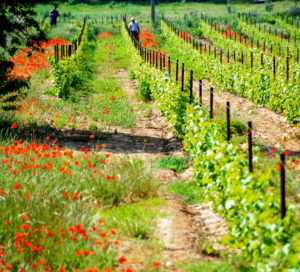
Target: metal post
(211,102)
(191,86)
(228,120)
(200,91)
(177,63)
(182,78)
(282,185)
(221,55)
(287,68)
(250,154)
(160,62)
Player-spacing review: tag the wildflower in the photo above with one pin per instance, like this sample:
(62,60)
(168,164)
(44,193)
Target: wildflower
(286,152)
(50,233)
(156,265)
(24,227)
(122,260)
(17,186)
(113,232)
(25,217)
(8,266)
(14,125)
(27,195)
(27,244)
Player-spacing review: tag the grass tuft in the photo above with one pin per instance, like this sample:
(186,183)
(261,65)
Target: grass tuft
(177,164)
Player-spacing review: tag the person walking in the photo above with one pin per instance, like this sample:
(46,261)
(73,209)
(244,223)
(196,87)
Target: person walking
(134,28)
(53,16)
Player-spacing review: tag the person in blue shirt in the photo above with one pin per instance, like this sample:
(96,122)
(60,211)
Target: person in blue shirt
(53,16)
(134,28)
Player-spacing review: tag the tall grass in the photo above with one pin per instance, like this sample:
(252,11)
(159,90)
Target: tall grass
(48,198)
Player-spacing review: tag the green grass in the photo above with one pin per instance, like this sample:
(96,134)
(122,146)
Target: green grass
(143,110)
(191,192)
(142,12)
(235,264)
(209,266)
(135,220)
(177,164)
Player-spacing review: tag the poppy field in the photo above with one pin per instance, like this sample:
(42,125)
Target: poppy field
(125,155)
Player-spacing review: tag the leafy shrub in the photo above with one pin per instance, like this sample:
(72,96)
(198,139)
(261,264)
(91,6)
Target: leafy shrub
(294,11)
(269,6)
(271,20)
(131,74)
(198,32)
(145,91)
(93,127)
(70,75)
(236,126)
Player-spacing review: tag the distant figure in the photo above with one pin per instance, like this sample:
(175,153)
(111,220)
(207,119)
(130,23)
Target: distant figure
(134,28)
(53,16)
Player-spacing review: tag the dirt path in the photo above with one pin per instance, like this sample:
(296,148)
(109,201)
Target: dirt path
(183,225)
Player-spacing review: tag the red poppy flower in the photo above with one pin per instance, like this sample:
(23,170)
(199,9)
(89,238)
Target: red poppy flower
(156,265)
(122,260)
(8,266)
(17,186)
(50,233)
